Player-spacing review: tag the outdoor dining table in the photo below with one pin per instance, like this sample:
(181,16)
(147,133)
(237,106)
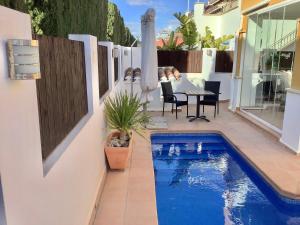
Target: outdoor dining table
(198,94)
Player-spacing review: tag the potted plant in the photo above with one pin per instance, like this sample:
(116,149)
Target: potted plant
(123,117)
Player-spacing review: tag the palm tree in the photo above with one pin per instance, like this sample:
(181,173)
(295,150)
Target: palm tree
(189,30)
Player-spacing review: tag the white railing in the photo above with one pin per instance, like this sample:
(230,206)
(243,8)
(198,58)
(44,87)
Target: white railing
(284,41)
(221,7)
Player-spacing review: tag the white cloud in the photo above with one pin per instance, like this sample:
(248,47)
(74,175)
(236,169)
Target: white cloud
(135,28)
(158,5)
(172,24)
(140,2)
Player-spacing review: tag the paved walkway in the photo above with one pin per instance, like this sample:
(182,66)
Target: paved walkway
(129,197)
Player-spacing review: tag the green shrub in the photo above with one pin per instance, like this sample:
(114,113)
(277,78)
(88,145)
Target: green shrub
(209,40)
(74,16)
(14,4)
(62,17)
(117,32)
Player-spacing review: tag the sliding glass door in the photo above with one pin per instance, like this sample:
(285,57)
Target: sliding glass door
(268,61)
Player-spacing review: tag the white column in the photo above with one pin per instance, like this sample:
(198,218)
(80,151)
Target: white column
(208,63)
(291,122)
(236,80)
(110,61)
(120,61)
(91,68)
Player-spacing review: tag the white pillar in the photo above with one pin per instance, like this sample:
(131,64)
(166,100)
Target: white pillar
(91,68)
(120,62)
(110,62)
(208,63)
(236,79)
(291,122)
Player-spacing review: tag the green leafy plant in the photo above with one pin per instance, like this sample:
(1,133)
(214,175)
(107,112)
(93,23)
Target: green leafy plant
(189,30)
(272,61)
(122,113)
(209,40)
(171,43)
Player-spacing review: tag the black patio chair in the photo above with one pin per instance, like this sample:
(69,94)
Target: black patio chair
(212,100)
(170,97)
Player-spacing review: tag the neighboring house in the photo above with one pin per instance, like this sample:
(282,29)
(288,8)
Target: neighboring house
(165,37)
(223,17)
(266,81)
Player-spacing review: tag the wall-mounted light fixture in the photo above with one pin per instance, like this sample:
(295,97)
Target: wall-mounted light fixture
(126,52)
(209,52)
(24,59)
(115,53)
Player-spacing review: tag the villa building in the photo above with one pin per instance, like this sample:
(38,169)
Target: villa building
(266,81)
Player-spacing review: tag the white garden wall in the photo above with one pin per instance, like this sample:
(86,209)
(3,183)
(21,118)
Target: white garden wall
(190,81)
(66,194)
(130,54)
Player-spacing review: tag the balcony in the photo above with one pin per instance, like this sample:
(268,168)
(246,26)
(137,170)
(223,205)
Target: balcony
(217,7)
(213,2)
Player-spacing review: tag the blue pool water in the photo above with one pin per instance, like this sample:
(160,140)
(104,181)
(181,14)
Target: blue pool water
(201,179)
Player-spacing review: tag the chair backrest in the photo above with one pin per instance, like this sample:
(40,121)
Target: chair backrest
(213,86)
(167,91)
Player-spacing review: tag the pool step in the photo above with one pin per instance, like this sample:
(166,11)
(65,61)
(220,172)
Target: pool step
(191,147)
(178,140)
(190,175)
(203,155)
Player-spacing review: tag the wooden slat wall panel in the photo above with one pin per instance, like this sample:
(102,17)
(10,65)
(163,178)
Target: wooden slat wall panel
(103,70)
(62,91)
(184,61)
(195,61)
(224,61)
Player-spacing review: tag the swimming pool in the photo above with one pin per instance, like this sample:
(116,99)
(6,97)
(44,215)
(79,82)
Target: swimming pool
(201,179)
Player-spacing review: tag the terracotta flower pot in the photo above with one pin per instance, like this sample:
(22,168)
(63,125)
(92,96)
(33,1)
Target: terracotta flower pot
(117,157)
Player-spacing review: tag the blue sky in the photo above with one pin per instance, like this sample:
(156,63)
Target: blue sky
(132,10)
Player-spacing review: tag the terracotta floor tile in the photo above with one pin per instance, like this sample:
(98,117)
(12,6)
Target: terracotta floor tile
(129,197)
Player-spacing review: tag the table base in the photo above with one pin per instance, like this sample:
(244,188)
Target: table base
(199,117)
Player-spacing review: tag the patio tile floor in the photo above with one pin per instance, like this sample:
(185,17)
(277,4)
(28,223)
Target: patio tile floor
(128,197)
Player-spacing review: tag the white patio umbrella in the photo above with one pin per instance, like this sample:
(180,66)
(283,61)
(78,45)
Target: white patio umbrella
(149,78)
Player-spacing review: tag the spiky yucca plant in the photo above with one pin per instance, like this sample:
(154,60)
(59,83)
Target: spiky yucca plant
(122,113)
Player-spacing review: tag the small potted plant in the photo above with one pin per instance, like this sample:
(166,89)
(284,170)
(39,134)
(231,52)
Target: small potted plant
(123,117)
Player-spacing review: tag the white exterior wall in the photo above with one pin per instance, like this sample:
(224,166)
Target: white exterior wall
(66,195)
(201,20)
(126,58)
(228,23)
(291,123)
